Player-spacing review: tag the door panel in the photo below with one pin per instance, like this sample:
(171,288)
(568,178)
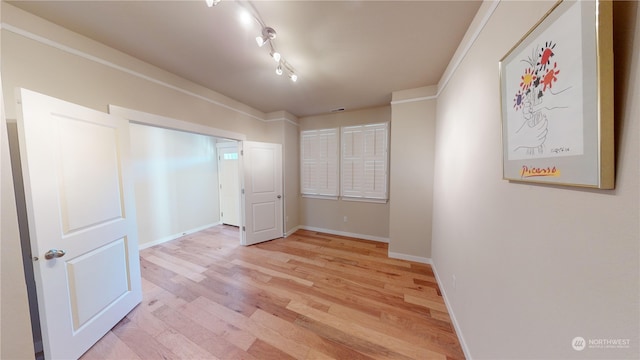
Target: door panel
(262,176)
(100,178)
(79,199)
(264,218)
(106,266)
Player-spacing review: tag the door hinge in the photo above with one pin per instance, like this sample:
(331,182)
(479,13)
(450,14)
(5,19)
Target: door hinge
(242,191)
(220,186)
(221,214)
(244,229)
(242,152)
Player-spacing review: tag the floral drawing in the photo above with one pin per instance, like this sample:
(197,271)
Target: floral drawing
(540,73)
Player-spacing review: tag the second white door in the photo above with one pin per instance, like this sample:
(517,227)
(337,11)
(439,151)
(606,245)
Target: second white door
(262,192)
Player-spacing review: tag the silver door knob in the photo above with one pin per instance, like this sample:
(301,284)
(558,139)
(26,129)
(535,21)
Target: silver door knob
(54,253)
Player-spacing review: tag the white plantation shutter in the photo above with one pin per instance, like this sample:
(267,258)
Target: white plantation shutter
(319,162)
(365,161)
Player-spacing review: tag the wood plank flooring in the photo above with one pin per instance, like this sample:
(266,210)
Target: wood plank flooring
(309,296)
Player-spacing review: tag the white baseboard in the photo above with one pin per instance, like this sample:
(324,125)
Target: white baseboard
(175,236)
(290,232)
(423,260)
(452,315)
(343,233)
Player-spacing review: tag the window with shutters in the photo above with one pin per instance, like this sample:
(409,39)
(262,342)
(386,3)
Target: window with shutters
(319,162)
(365,162)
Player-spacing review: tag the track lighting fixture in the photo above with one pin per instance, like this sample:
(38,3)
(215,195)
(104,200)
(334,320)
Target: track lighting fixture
(267,34)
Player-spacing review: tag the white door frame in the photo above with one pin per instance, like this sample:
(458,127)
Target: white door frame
(144,118)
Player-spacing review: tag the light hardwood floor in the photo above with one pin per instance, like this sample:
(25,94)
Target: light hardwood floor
(309,296)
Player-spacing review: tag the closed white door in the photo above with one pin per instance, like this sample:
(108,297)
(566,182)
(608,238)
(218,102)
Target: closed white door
(81,218)
(229,178)
(262,184)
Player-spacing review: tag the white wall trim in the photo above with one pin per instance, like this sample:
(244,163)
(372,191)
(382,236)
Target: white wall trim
(458,57)
(452,315)
(423,98)
(283,119)
(466,47)
(178,235)
(82,54)
(423,260)
(144,118)
(292,231)
(344,233)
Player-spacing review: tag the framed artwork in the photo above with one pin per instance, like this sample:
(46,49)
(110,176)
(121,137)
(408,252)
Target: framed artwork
(556,89)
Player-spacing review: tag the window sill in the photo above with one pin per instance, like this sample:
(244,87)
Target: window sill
(369,200)
(323,197)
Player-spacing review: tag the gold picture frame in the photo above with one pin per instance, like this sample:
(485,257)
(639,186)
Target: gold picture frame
(556,89)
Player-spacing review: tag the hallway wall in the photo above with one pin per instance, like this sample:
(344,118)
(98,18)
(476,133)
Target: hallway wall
(526,268)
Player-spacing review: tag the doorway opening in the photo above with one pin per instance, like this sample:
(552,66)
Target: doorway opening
(229,182)
(176,176)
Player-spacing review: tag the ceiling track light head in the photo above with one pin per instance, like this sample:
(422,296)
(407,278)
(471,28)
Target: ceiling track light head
(290,71)
(212,3)
(276,56)
(268,33)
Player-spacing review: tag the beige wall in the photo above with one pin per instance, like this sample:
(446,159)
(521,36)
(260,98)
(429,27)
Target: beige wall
(175,177)
(535,265)
(368,220)
(292,176)
(283,128)
(413,115)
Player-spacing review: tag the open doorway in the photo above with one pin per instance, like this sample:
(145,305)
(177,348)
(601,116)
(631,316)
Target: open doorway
(177,183)
(261,206)
(229,179)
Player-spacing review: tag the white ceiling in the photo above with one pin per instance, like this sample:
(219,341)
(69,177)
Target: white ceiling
(347,54)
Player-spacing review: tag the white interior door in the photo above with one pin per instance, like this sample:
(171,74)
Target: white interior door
(262,184)
(81,216)
(229,178)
